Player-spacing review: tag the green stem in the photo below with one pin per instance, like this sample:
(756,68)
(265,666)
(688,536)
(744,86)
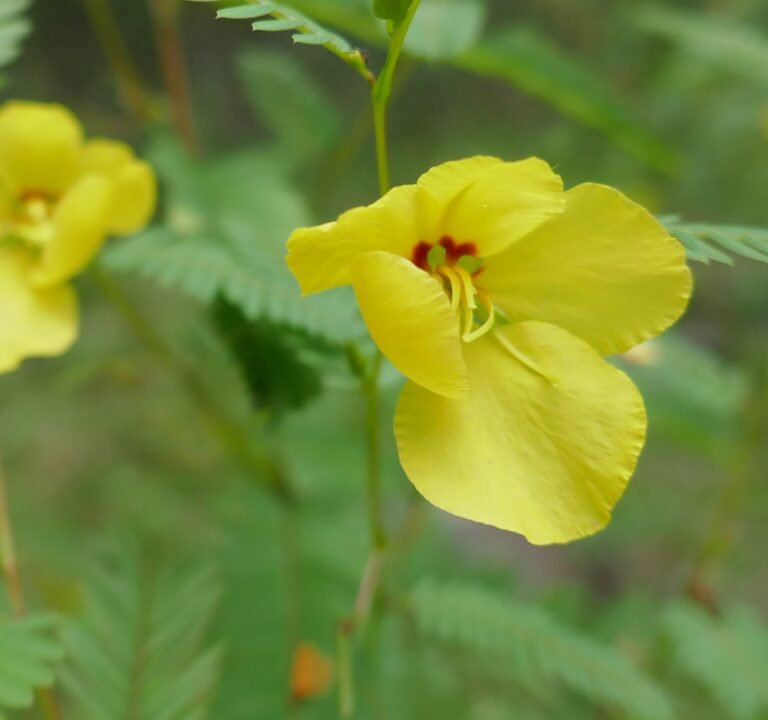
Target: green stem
(165,16)
(227,431)
(373,442)
(107,30)
(344,669)
(381,92)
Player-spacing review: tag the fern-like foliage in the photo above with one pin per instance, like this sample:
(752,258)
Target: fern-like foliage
(707,243)
(14,28)
(727,655)
(526,643)
(224,235)
(277,17)
(139,650)
(29,651)
(301,118)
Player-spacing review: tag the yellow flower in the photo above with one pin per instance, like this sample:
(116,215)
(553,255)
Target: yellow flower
(496,294)
(60,197)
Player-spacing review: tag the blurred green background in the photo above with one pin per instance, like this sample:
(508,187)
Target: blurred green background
(137,512)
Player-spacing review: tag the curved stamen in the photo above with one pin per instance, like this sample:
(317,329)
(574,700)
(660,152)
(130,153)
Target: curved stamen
(467,284)
(525,360)
(485,301)
(452,278)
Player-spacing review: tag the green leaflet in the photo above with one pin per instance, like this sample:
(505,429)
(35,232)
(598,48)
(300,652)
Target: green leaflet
(727,655)
(14,28)
(139,649)
(224,234)
(277,17)
(525,643)
(694,397)
(29,652)
(708,242)
(301,118)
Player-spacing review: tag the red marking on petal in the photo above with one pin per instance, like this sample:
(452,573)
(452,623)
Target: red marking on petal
(419,254)
(453,251)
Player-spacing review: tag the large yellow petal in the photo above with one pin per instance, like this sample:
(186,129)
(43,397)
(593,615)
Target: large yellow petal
(35,322)
(134,187)
(447,180)
(547,460)
(499,202)
(80,223)
(410,318)
(604,270)
(321,257)
(39,147)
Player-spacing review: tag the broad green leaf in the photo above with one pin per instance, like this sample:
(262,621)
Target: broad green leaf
(394,10)
(529,61)
(443,29)
(29,653)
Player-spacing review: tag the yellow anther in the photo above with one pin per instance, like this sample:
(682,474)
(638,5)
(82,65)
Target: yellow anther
(487,325)
(532,365)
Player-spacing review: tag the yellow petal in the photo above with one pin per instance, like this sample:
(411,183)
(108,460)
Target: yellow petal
(604,270)
(500,202)
(445,181)
(39,147)
(545,460)
(80,226)
(35,322)
(133,183)
(410,318)
(320,257)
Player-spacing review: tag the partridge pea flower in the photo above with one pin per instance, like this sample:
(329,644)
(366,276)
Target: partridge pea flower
(497,294)
(60,197)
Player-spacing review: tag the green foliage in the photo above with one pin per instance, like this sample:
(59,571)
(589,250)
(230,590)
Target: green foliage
(301,118)
(224,234)
(277,377)
(29,652)
(14,28)
(693,396)
(277,17)
(727,655)
(449,31)
(140,648)
(394,10)
(526,643)
(718,39)
(532,63)
(445,29)
(707,242)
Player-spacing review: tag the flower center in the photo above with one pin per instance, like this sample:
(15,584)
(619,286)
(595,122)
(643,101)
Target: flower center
(456,265)
(30,220)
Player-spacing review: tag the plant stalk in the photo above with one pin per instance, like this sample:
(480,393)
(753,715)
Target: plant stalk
(225,429)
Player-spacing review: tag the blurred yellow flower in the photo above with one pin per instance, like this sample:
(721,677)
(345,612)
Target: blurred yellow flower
(60,197)
(496,294)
